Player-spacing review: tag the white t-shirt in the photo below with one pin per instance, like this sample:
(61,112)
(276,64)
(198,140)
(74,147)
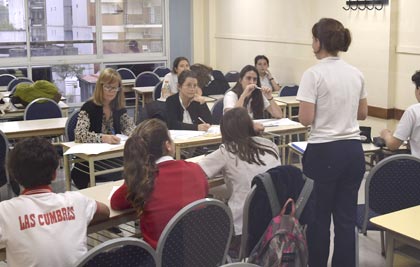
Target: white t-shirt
(173,82)
(409,128)
(238,175)
(230,99)
(266,82)
(45,229)
(335,87)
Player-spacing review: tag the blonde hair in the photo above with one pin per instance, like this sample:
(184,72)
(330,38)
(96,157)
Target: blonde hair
(109,76)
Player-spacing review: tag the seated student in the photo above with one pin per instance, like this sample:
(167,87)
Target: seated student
(183,112)
(241,156)
(39,227)
(246,94)
(100,118)
(261,63)
(204,77)
(409,126)
(156,185)
(180,64)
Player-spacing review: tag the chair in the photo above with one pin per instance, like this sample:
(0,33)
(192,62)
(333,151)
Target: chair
(70,126)
(126,74)
(232,76)
(6,78)
(161,71)
(217,111)
(13,83)
(261,205)
(393,184)
(218,75)
(42,108)
(124,251)
(198,235)
(289,90)
(157,91)
(4,175)
(146,78)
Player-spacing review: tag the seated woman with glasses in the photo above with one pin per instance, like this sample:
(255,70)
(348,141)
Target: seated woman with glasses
(249,93)
(183,112)
(102,116)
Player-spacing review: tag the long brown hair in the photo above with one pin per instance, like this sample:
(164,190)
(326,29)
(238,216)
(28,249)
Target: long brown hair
(237,131)
(257,104)
(142,149)
(332,35)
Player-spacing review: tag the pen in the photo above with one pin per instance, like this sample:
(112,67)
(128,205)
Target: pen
(201,120)
(259,88)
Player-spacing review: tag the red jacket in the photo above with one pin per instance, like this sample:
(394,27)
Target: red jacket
(177,184)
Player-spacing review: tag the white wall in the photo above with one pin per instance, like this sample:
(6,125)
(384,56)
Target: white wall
(237,30)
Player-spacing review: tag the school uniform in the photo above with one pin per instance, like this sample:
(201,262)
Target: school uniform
(334,157)
(409,128)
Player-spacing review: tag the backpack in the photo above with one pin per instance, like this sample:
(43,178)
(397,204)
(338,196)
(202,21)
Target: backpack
(283,242)
(26,93)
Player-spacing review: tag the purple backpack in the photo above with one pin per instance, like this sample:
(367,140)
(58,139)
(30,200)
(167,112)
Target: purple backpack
(283,243)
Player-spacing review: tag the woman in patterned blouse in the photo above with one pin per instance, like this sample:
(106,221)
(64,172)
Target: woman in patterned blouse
(104,115)
(100,119)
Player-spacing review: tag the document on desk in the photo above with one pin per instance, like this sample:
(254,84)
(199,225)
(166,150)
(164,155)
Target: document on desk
(300,146)
(276,122)
(184,134)
(92,148)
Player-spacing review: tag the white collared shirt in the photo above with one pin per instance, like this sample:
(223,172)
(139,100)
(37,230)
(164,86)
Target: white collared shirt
(186,117)
(163,159)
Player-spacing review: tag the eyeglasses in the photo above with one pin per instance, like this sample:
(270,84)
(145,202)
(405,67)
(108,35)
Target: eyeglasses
(110,88)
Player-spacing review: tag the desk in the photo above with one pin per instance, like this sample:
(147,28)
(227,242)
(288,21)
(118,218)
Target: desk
(291,103)
(401,226)
(147,96)
(23,129)
(212,139)
(115,152)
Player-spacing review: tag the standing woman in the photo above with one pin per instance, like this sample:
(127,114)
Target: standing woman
(332,98)
(180,64)
(156,185)
(100,118)
(183,111)
(246,94)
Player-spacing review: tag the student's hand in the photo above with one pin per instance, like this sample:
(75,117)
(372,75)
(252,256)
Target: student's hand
(385,133)
(110,139)
(258,128)
(203,127)
(199,99)
(248,90)
(267,92)
(268,73)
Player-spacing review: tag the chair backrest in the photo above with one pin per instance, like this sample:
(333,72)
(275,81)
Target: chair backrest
(218,75)
(6,78)
(146,78)
(12,84)
(157,91)
(42,108)
(393,184)
(4,150)
(123,251)
(289,90)
(70,126)
(161,71)
(198,235)
(217,111)
(126,73)
(232,76)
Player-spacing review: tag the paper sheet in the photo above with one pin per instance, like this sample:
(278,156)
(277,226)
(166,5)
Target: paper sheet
(276,122)
(184,134)
(300,146)
(91,148)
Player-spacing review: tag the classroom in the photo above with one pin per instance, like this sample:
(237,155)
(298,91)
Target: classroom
(76,44)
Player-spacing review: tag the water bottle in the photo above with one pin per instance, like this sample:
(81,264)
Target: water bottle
(166,91)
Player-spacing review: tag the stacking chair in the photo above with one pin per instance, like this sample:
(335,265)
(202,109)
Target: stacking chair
(232,76)
(126,74)
(391,185)
(198,235)
(289,90)
(146,78)
(5,183)
(157,91)
(161,71)
(268,194)
(70,126)
(6,78)
(42,108)
(217,111)
(123,251)
(13,83)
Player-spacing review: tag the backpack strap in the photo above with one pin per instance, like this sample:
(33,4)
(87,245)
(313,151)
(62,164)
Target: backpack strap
(304,195)
(271,193)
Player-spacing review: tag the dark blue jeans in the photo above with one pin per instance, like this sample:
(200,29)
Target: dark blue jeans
(337,169)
